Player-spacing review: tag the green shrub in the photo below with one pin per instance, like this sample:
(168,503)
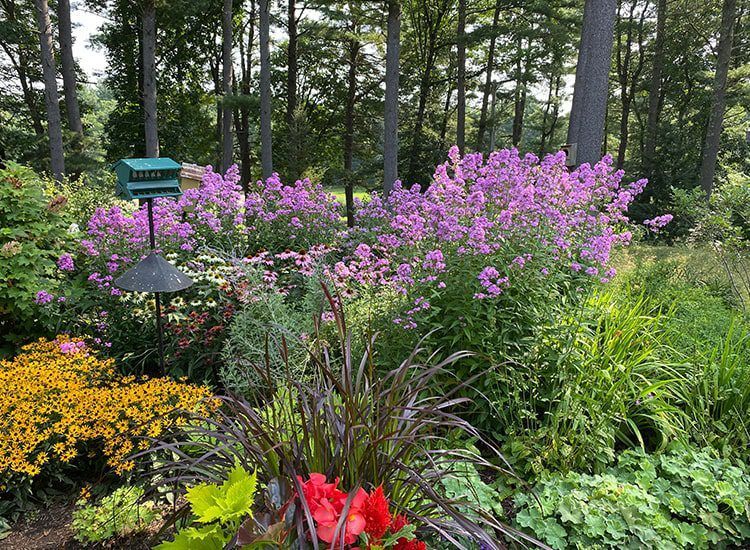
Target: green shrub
(33,233)
(686,498)
(94,189)
(120,514)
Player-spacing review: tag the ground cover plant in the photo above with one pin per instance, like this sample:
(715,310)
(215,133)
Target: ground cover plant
(685,498)
(119,514)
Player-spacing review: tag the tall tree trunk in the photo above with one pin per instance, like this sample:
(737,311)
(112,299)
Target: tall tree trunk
(151,125)
(629,78)
(416,138)
(215,68)
(68,68)
(716,118)
(549,112)
(415,156)
(520,94)
(351,97)
(243,136)
(654,95)
(488,79)
(21,67)
(446,113)
(461,80)
(266,148)
(623,71)
(227,139)
(51,99)
(20,63)
(291,93)
(591,89)
(493,120)
(555,111)
(390,114)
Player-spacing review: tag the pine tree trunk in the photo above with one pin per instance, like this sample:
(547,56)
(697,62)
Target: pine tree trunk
(243,137)
(266,148)
(461,80)
(493,120)
(591,89)
(51,99)
(555,111)
(488,80)
(520,95)
(416,138)
(227,139)
(151,125)
(351,96)
(291,93)
(415,156)
(446,114)
(623,71)
(68,68)
(654,95)
(716,118)
(548,106)
(390,134)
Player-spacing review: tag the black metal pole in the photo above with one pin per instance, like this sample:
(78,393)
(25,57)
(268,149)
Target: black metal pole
(157,297)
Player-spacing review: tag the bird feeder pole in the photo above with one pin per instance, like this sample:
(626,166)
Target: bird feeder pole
(147,179)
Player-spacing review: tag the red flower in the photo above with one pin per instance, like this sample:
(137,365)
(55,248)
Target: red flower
(316,491)
(327,518)
(326,504)
(399,522)
(403,544)
(376,513)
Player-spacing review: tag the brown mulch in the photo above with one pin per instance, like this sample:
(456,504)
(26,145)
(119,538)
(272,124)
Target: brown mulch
(50,529)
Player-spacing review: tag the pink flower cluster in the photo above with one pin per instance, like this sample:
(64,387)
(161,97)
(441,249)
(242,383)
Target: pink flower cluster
(658,223)
(504,214)
(217,215)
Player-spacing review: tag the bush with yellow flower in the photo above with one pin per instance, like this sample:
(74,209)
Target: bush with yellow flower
(60,398)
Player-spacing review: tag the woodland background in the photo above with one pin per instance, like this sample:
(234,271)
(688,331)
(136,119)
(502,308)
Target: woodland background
(482,74)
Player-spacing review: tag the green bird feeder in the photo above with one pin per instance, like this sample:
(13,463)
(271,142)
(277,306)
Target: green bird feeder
(147,178)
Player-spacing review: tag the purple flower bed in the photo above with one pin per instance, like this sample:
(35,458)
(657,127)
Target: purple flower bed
(488,225)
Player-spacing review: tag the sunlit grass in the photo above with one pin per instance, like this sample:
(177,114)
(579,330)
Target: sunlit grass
(359,193)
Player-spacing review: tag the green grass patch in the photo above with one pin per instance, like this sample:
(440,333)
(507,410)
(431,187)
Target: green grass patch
(359,193)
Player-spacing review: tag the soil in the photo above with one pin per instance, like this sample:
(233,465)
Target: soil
(50,530)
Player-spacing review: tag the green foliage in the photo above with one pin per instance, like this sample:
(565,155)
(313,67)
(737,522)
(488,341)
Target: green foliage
(599,383)
(463,483)
(265,332)
(708,339)
(119,514)
(219,509)
(87,193)
(33,233)
(685,498)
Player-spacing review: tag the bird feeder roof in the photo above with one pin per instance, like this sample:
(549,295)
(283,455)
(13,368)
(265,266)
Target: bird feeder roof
(143,164)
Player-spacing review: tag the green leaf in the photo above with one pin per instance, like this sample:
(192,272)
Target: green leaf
(226,503)
(209,537)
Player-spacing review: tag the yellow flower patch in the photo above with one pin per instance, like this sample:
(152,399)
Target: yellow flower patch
(58,396)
